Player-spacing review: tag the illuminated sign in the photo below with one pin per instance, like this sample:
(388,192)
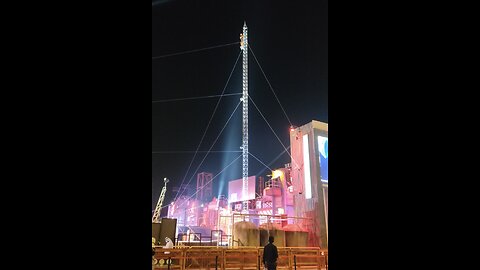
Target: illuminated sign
(306,166)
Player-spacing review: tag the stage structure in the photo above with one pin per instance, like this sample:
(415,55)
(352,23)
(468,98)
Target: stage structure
(292,204)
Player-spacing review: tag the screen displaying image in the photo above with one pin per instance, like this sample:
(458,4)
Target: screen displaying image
(323,157)
(235,190)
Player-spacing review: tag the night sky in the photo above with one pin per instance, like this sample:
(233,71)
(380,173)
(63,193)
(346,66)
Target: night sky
(289,40)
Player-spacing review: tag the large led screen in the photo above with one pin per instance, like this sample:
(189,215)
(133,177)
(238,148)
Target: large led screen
(235,190)
(323,157)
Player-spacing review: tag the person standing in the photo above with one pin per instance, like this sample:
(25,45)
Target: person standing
(270,255)
(169,245)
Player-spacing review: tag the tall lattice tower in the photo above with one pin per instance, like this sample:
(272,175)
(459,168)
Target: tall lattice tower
(244,47)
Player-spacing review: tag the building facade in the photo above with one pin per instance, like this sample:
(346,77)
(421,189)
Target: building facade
(309,175)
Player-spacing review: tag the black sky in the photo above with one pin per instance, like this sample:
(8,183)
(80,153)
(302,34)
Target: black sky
(289,40)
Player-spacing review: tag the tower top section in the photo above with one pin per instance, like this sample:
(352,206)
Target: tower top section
(244,37)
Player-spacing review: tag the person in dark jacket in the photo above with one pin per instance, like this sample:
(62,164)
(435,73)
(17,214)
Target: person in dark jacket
(270,255)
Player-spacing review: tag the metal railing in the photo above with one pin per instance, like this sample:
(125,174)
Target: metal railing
(239,258)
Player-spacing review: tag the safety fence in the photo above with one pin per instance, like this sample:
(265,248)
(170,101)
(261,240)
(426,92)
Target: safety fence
(239,258)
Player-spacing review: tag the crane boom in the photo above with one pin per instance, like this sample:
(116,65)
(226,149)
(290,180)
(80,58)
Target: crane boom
(158,208)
